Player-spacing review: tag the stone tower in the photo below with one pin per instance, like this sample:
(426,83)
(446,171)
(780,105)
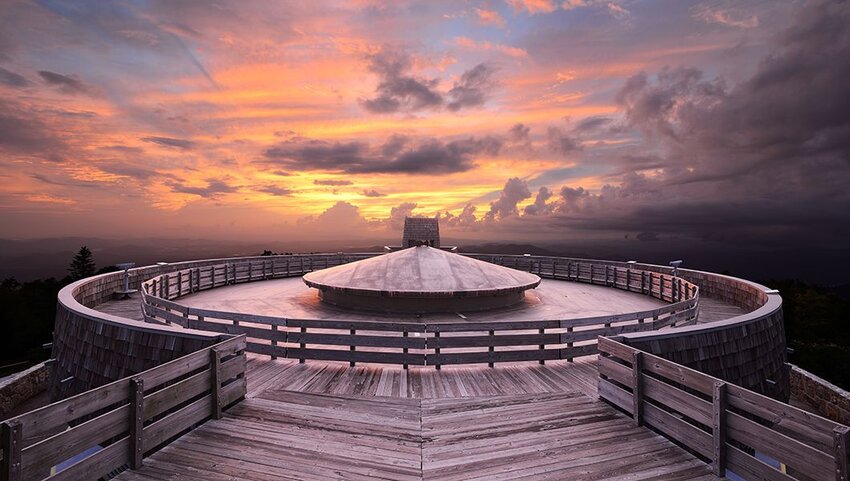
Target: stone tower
(420,231)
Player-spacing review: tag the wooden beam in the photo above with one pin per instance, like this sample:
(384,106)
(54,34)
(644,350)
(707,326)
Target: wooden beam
(11,444)
(637,387)
(215,371)
(841,437)
(137,422)
(718,464)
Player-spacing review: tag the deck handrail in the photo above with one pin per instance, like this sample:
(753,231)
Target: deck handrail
(467,342)
(724,424)
(113,426)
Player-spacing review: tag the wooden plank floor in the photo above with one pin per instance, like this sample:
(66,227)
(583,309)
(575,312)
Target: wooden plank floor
(294,435)
(421,382)
(319,421)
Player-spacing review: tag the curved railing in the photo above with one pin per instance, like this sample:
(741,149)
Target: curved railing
(426,343)
(82,333)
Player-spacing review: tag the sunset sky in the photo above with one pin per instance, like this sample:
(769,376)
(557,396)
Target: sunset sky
(717,121)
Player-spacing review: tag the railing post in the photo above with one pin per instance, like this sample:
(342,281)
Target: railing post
(179,283)
(11,444)
(404,349)
(437,351)
(841,438)
(215,379)
(351,349)
(719,428)
(637,387)
(274,341)
(302,345)
(628,280)
(570,345)
(491,349)
(137,422)
(542,347)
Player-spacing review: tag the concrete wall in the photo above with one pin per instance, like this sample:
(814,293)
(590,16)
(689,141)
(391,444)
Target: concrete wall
(829,400)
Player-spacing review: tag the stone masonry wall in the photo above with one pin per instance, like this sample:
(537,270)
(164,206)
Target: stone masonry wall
(22,386)
(829,400)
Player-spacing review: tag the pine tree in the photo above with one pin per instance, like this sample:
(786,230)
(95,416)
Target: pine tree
(82,265)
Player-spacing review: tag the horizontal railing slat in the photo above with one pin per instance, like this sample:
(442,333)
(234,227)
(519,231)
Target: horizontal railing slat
(803,458)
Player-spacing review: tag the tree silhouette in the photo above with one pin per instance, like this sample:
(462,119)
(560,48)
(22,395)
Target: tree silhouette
(82,265)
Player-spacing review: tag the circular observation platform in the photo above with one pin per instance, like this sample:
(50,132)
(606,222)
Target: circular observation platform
(421,280)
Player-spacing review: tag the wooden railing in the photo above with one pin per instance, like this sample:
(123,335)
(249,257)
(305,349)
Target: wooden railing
(112,427)
(731,427)
(407,343)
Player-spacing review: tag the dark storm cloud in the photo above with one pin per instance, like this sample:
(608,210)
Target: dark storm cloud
(68,84)
(398,90)
(431,156)
(332,182)
(213,189)
(170,142)
(12,79)
(767,159)
(473,88)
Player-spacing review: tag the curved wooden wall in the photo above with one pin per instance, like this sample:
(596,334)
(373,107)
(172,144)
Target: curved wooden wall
(92,348)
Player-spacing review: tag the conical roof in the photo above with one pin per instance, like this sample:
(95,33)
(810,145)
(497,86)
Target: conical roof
(422,271)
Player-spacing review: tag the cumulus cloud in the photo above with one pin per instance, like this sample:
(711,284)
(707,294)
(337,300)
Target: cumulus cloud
(395,222)
(466,219)
(540,207)
(398,155)
(514,192)
(342,219)
(182,144)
